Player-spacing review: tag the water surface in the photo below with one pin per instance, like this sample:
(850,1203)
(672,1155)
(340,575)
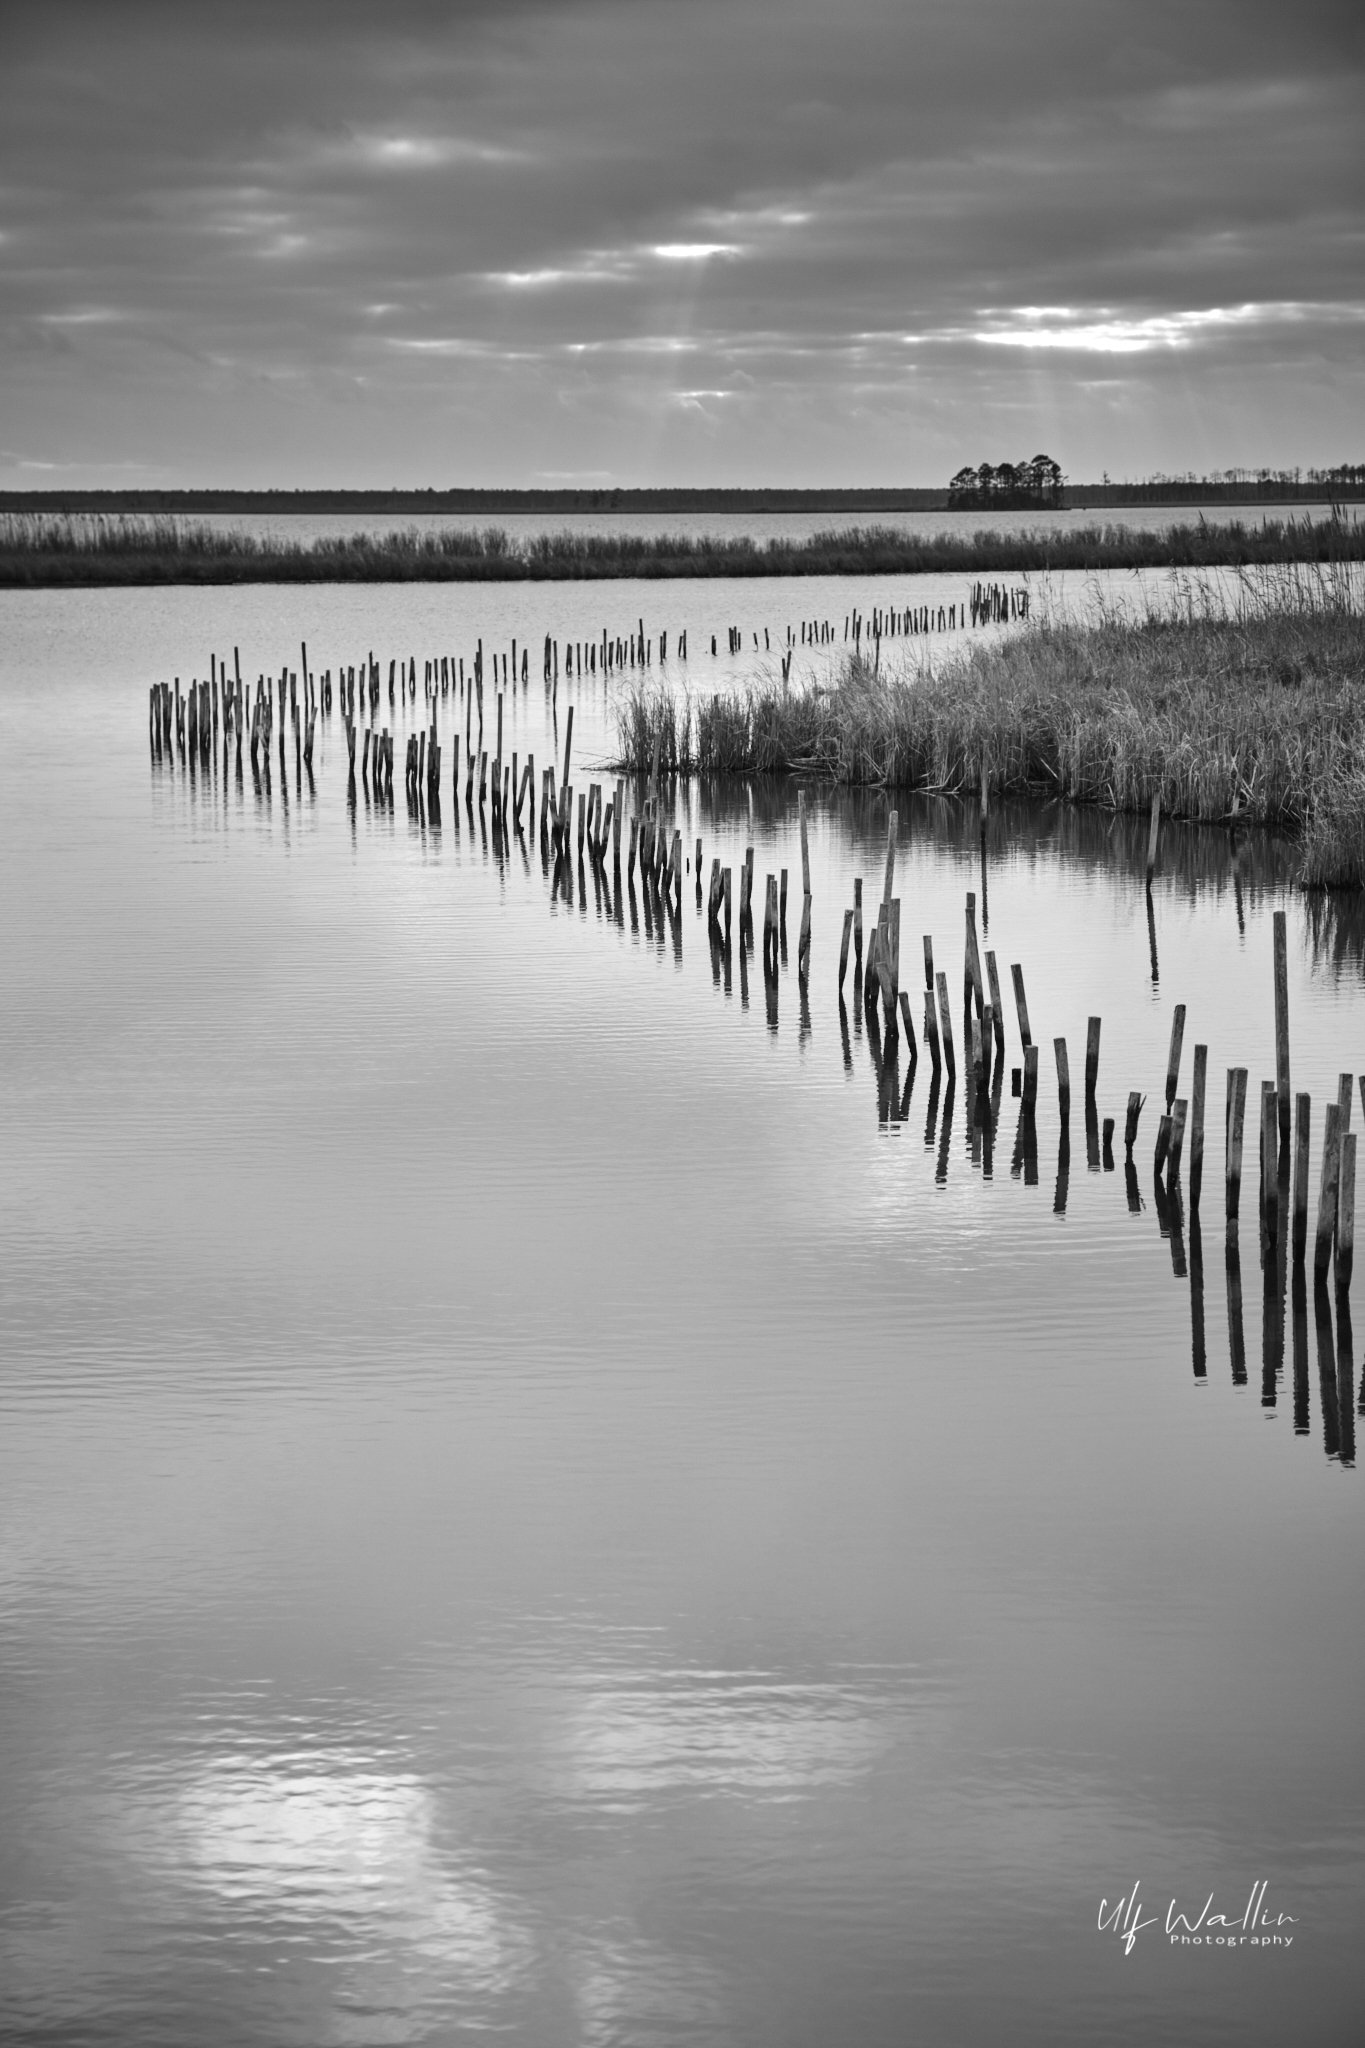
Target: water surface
(542,1491)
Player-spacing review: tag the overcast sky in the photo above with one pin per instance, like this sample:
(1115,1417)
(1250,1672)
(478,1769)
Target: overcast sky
(677,241)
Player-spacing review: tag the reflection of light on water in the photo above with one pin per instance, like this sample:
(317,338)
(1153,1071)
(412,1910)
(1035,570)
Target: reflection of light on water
(346,1846)
(708,1732)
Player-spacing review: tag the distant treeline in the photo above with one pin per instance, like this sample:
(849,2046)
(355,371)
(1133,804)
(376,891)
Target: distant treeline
(100,550)
(1226,487)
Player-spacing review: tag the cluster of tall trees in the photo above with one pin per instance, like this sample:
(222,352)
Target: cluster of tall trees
(998,485)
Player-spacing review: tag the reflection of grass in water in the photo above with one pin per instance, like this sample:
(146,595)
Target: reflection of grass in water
(38,548)
(1244,705)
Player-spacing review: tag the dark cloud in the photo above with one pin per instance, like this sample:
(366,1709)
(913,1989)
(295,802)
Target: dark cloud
(678,239)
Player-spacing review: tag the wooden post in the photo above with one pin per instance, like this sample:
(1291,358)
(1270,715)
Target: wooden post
(803,940)
(782,905)
(843,947)
(1173,1059)
(1153,834)
(1201,1069)
(1025,1035)
(857,918)
(945,1022)
(1237,1102)
(1092,1057)
(1303,1109)
(1270,1153)
(1327,1191)
(1130,1122)
(1030,1078)
(997,1007)
(928,961)
(1346,1213)
(974,989)
(931,1030)
(892,821)
(805,847)
(1163,1141)
(1063,1078)
(1282,1021)
(909,1031)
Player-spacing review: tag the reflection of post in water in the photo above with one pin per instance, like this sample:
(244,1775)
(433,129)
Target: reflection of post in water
(1176,1204)
(908,1092)
(1272,1330)
(1063,1169)
(1299,1286)
(1130,1186)
(1025,1155)
(1327,1370)
(634,906)
(889,1099)
(770,985)
(743,969)
(931,1120)
(1236,1340)
(991,1123)
(1345,1378)
(1197,1297)
(1151,938)
(945,1134)
(843,1034)
(674,911)
(858,993)
(1163,1203)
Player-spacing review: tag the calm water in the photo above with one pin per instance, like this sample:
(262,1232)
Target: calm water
(543,1493)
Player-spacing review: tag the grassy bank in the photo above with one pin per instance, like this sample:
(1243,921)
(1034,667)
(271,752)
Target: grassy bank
(38,551)
(1257,717)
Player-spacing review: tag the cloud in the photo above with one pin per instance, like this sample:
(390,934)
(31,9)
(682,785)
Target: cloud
(929,212)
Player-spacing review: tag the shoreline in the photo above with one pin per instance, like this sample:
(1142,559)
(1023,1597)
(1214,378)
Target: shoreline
(1253,720)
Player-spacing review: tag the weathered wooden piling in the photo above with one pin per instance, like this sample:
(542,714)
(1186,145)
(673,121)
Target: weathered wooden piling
(1173,1057)
(1327,1191)
(1282,1021)
(1303,1109)
(945,1024)
(972,984)
(782,906)
(843,947)
(1030,1097)
(1107,1137)
(770,923)
(997,1007)
(1130,1121)
(1063,1078)
(928,961)
(1021,1005)
(857,918)
(1346,1213)
(1092,1057)
(1201,1068)
(1163,1141)
(1236,1112)
(931,1031)
(1153,834)
(1270,1152)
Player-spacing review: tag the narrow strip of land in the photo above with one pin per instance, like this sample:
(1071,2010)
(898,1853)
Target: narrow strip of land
(63,552)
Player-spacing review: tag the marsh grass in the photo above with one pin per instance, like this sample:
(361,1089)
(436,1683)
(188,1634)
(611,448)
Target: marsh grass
(53,548)
(1254,714)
